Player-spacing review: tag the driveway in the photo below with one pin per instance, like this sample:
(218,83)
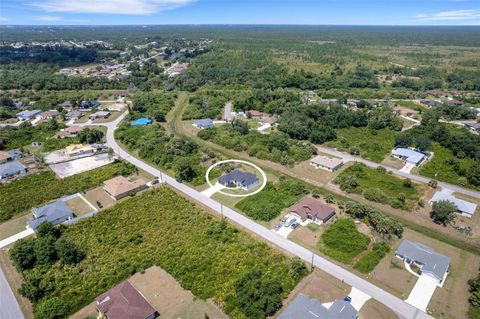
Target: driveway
(359,298)
(284,231)
(422,292)
(14,238)
(264,127)
(407,168)
(212,190)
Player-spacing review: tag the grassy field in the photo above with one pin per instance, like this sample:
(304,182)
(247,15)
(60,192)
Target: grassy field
(380,186)
(439,167)
(34,190)
(206,256)
(342,241)
(373,145)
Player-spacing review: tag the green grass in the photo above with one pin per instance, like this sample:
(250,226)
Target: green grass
(159,227)
(373,145)
(268,204)
(438,167)
(342,241)
(473,313)
(379,186)
(369,261)
(34,190)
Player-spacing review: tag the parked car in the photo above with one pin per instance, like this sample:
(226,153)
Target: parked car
(179,180)
(278,226)
(289,223)
(295,225)
(284,219)
(347,299)
(153,182)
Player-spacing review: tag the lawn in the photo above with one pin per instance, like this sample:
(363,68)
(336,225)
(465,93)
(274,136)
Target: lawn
(205,255)
(373,145)
(342,241)
(370,260)
(440,167)
(34,190)
(268,204)
(379,186)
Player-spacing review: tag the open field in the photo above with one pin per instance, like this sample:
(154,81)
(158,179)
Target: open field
(14,225)
(81,165)
(373,145)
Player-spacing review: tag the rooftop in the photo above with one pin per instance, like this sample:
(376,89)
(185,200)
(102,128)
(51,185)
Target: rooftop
(305,308)
(4,156)
(310,206)
(204,122)
(12,167)
(409,155)
(55,211)
(121,185)
(238,176)
(432,261)
(124,302)
(326,161)
(462,205)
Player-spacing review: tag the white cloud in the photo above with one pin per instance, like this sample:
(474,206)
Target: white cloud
(48,18)
(472,14)
(2,19)
(130,7)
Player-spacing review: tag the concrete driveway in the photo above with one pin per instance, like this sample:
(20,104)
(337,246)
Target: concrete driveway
(212,190)
(14,238)
(359,298)
(422,292)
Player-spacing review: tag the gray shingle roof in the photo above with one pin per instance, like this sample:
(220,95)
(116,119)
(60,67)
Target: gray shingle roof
(238,177)
(55,213)
(410,156)
(303,307)
(204,123)
(11,168)
(433,262)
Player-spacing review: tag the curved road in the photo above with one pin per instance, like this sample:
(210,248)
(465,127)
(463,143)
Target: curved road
(403,309)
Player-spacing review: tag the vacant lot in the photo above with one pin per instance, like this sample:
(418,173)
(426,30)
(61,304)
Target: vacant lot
(380,186)
(373,145)
(204,255)
(81,165)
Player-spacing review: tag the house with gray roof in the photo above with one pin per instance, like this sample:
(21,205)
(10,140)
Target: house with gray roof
(430,262)
(28,114)
(12,169)
(464,208)
(408,155)
(305,308)
(55,213)
(203,123)
(327,163)
(240,179)
(73,115)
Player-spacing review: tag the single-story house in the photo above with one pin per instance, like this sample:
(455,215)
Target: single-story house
(437,92)
(79,149)
(48,114)
(327,163)
(120,186)
(5,157)
(99,115)
(452,102)
(429,261)
(203,123)
(302,307)
(429,103)
(17,105)
(28,114)
(272,120)
(11,169)
(310,209)
(55,213)
(74,115)
(86,105)
(124,302)
(70,131)
(240,179)
(121,94)
(143,121)
(464,208)
(66,105)
(404,111)
(254,114)
(409,155)
(473,126)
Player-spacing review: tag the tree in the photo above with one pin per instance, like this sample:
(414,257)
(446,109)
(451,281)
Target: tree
(90,136)
(473,174)
(45,252)
(30,287)
(47,229)
(403,140)
(474,288)
(52,308)
(159,116)
(443,211)
(185,169)
(68,252)
(23,254)
(407,182)
(423,143)
(297,268)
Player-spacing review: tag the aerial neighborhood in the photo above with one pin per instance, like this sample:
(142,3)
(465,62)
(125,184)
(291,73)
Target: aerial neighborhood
(238,171)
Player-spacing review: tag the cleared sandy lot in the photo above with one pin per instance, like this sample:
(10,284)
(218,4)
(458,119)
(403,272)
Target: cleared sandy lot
(81,165)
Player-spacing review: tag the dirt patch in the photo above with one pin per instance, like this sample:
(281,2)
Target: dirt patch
(79,206)
(374,309)
(98,198)
(391,275)
(364,229)
(307,236)
(15,280)
(392,162)
(319,175)
(14,226)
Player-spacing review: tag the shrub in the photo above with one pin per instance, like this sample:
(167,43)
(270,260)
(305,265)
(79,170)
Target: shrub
(369,261)
(23,254)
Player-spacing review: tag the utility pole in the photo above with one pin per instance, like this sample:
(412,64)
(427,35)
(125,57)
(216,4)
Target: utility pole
(221,209)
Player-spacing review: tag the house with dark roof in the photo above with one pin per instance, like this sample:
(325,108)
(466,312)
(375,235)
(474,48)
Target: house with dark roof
(254,114)
(124,302)
(203,123)
(55,213)
(15,154)
(28,114)
(430,262)
(312,210)
(11,169)
(238,178)
(473,126)
(302,307)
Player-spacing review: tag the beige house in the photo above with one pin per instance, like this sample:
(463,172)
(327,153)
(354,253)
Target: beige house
(78,150)
(120,187)
(327,163)
(70,131)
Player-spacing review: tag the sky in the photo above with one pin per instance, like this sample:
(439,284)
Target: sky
(310,12)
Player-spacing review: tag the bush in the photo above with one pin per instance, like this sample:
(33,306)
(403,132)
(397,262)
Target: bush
(369,261)
(23,254)
(342,241)
(54,308)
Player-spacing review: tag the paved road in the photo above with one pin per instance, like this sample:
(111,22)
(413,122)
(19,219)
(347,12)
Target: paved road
(9,308)
(350,158)
(403,309)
